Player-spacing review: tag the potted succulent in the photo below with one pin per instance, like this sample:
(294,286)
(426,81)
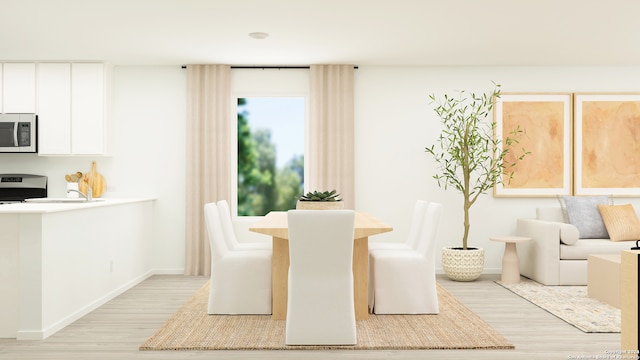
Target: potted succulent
(320,200)
(470,158)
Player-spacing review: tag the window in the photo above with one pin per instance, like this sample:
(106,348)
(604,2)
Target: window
(270,158)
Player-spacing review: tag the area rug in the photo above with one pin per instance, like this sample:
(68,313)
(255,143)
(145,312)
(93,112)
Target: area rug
(571,304)
(456,327)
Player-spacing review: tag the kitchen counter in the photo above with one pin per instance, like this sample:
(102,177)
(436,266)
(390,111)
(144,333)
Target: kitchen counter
(60,261)
(25,208)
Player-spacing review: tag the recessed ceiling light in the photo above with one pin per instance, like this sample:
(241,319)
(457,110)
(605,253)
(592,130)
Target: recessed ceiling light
(258,35)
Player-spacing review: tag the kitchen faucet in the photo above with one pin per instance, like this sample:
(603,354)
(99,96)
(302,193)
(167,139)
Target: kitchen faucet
(87,197)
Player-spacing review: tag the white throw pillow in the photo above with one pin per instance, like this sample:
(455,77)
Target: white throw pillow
(569,234)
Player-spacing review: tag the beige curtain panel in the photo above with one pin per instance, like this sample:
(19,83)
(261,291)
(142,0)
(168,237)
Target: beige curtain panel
(208,165)
(331,160)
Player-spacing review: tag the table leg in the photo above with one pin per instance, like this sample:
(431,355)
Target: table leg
(361,277)
(510,264)
(279,278)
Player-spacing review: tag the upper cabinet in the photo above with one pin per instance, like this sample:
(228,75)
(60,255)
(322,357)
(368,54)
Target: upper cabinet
(71,109)
(18,88)
(69,99)
(87,108)
(54,108)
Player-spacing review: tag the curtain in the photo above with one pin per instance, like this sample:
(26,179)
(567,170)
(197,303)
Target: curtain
(208,165)
(331,158)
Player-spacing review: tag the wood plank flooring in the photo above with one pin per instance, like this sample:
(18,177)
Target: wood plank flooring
(116,330)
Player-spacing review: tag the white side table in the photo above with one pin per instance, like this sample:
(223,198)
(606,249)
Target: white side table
(510,262)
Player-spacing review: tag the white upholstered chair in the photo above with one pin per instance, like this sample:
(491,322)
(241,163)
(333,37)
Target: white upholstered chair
(230,235)
(412,239)
(240,279)
(404,281)
(320,306)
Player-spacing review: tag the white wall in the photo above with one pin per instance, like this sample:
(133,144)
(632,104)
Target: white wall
(394,123)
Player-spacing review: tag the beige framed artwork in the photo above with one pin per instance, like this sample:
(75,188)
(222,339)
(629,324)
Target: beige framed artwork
(607,144)
(546,121)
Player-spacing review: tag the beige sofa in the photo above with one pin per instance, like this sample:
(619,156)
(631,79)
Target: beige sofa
(556,256)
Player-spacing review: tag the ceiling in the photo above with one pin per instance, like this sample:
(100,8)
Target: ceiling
(303,32)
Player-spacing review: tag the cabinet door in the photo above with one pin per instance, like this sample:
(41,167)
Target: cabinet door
(87,109)
(19,93)
(54,109)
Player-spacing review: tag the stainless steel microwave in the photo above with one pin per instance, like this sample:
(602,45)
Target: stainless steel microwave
(18,133)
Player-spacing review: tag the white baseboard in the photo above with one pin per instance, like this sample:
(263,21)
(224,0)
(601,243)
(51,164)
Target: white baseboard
(45,333)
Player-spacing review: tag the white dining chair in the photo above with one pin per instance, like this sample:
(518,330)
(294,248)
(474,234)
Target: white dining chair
(412,239)
(404,281)
(410,243)
(240,279)
(230,235)
(320,306)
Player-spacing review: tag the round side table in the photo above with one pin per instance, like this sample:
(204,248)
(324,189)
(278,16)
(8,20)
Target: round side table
(510,262)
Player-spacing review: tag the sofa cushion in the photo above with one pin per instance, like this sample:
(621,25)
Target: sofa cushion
(582,211)
(621,221)
(585,247)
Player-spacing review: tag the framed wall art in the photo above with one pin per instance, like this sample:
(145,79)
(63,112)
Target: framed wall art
(607,144)
(545,119)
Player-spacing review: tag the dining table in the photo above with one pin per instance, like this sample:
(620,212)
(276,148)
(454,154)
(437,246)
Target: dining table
(275,225)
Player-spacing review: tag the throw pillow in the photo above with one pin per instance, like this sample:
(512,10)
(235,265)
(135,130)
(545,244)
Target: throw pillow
(582,211)
(569,234)
(621,221)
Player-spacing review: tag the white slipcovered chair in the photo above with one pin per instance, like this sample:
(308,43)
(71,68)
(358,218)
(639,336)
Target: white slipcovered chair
(411,242)
(320,305)
(230,235)
(404,281)
(240,279)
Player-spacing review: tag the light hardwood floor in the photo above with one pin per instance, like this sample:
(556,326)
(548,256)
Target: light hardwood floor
(115,330)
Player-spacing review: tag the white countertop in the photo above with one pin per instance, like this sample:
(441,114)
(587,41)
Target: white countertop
(26,208)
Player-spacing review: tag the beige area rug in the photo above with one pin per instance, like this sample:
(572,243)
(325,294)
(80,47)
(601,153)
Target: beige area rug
(571,304)
(456,327)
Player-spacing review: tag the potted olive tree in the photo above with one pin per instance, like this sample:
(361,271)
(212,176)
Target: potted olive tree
(320,200)
(471,159)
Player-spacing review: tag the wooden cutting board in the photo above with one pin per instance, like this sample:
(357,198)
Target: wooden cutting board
(94,180)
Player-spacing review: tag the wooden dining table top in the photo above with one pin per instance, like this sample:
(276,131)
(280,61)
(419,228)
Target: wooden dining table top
(275,224)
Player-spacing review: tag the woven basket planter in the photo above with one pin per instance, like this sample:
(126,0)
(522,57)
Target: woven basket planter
(463,265)
(319,205)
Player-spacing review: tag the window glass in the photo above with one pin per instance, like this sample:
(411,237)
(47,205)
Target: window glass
(270,154)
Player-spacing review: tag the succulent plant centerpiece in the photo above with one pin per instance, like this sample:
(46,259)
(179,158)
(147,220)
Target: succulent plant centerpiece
(320,200)
(321,196)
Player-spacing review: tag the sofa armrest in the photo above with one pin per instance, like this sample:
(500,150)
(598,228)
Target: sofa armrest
(540,257)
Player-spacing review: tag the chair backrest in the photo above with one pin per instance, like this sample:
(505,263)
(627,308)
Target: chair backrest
(320,300)
(416,224)
(214,231)
(227,224)
(427,244)
(321,242)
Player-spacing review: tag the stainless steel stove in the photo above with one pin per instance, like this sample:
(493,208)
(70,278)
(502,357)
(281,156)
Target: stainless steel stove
(17,187)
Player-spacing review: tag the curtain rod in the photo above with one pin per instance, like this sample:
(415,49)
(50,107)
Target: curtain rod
(268,67)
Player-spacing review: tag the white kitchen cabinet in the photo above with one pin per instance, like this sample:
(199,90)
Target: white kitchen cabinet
(71,109)
(87,108)
(19,88)
(54,108)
